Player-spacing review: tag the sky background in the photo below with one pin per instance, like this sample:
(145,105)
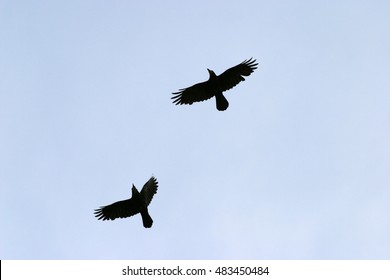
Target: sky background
(298,167)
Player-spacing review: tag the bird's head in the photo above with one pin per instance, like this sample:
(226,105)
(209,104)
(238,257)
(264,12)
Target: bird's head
(211,73)
(134,190)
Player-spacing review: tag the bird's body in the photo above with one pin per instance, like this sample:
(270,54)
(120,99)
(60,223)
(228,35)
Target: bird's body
(138,203)
(215,85)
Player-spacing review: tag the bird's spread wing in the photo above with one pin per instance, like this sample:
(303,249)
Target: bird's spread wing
(196,93)
(148,190)
(120,209)
(231,77)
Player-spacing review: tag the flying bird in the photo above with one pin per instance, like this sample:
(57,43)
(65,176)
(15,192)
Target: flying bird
(215,85)
(138,203)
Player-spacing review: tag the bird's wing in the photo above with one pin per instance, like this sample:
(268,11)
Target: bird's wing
(231,77)
(196,93)
(148,190)
(120,209)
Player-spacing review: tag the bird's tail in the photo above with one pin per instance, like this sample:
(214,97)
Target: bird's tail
(222,103)
(146,219)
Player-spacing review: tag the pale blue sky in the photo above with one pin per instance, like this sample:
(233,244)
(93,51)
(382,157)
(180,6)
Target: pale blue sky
(296,168)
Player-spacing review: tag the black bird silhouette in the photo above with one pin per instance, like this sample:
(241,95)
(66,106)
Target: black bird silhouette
(138,203)
(216,85)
